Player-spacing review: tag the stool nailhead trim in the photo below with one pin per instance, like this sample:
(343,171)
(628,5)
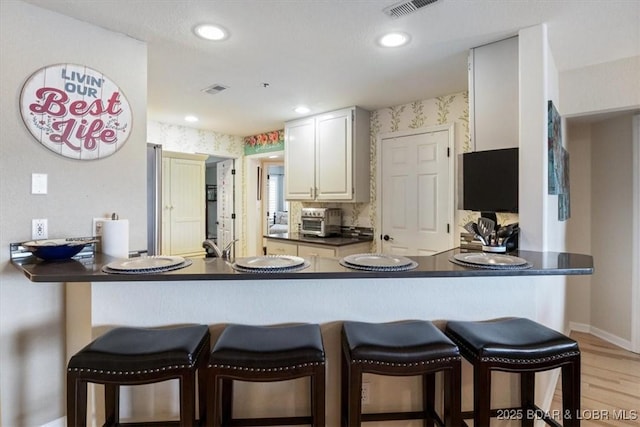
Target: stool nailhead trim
(422,362)
(513,360)
(144,371)
(280,368)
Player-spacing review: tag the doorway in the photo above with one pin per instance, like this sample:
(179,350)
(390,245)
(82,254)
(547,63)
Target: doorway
(415,191)
(274,205)
(220,194)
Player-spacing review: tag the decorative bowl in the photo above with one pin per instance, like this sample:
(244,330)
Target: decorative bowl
(56,249)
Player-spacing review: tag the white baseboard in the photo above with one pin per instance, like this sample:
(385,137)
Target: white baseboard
(607,336)
(60,422)
(579,327)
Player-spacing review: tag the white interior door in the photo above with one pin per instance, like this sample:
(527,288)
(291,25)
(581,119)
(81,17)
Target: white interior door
(417,195)
(226,202)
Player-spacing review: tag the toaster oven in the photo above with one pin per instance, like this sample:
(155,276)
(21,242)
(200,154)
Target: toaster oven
(321,222)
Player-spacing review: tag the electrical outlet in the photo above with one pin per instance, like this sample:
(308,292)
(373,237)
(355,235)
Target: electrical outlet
(97,226)
(39,229)
(366,391)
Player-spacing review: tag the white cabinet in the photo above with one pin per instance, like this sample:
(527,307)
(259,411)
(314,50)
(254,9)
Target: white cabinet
(493,95)
(306,250)
(183,202)
(278,247)
(327,157)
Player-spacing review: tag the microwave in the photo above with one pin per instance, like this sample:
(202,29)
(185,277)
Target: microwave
(321,222)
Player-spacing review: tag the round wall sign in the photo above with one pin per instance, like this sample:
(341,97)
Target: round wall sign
(75,111)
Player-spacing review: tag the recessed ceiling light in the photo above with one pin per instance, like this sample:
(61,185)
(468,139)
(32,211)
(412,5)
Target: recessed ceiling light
(395,39)
(273,157)
(191,119)
(211,32)
(301,109)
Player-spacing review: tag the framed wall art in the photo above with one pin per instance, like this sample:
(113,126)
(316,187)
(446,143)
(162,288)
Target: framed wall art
(75,111)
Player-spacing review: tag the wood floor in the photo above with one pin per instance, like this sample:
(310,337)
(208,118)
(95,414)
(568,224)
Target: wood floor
(610,384)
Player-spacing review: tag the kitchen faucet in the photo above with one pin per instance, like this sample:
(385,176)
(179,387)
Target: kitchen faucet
(226,252)
(215,250)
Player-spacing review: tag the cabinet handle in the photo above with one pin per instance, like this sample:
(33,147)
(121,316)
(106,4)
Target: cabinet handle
(311,192)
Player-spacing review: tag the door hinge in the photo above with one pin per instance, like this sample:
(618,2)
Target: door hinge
(448,228)
(233,171)
(448,152)
(233,216)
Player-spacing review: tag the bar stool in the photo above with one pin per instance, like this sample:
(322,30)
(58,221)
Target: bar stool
(521,346)
(261,354)
(133,356)
(399,349)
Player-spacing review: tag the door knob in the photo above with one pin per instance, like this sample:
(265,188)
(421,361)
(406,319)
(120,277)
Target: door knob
(387,237)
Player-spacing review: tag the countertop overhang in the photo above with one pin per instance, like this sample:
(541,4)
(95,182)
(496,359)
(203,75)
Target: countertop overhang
(315,240)
(212,269)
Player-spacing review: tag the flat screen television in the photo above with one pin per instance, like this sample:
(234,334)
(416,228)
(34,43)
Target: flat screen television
(490,180)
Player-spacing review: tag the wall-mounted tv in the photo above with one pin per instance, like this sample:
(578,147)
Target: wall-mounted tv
(490,180)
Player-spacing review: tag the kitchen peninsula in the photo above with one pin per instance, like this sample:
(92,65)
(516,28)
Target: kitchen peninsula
(211,292)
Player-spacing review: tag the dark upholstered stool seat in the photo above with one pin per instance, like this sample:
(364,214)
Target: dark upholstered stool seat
(131,356)
(522,346)
(266,353)
(399,349)
(514,339)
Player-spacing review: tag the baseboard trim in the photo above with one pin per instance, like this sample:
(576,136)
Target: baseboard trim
(607,336)
(60,422)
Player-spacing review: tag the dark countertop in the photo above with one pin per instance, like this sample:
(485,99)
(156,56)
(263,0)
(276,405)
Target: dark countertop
(326,241)
(90,269)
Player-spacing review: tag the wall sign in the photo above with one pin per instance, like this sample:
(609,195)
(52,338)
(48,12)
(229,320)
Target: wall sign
(75,111)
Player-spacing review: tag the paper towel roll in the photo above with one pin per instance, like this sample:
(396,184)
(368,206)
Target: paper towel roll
(115,238)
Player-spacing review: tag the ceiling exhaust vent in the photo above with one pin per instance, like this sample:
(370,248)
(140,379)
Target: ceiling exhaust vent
(406,7)
(213,89)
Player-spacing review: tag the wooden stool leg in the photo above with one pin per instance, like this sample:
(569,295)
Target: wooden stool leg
(452,384)
(344,389)
(226,399)
(202,395)
(428,398)
(112,404)
(354,410)
(187,399)
(481,394)
(213,399)
(318,396)
(527,397)
(76,401)
(571,393)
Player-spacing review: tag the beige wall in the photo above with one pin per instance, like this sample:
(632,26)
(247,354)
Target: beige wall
(611,225)
(578,138)
(32,316)
(611,86)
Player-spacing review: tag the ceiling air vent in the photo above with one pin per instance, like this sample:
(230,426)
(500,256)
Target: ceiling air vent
(406,7)
(213,89)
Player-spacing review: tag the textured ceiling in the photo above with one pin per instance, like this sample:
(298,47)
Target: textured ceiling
(322,53)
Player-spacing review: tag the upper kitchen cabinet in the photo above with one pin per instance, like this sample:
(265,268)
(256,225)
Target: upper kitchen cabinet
(327,157)
(183,200)
(493,95)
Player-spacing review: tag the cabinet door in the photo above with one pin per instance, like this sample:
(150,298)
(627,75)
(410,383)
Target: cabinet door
(358,248)
(166,207)
(299,159)
(276,247)
(306,251)
(334,156)
(187,210)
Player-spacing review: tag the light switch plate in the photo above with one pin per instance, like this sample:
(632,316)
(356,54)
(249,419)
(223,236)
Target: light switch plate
(38,183)
(97,226)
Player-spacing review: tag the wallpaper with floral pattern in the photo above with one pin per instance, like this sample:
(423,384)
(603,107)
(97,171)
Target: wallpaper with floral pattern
(448,109)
